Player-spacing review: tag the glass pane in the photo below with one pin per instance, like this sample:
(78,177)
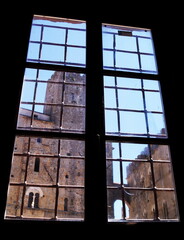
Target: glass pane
(151,85)
(110,98)
(160,152)
(141,204)
(129,82)
(77,38)
(71,172)
(126,43)
(111,125)
(115,205)
(14,201)
(35,33)
(145,45)
(139,107)
(39,202)
(18,169)
(45,171)
(28,91)
(108,59)
(33,51)
(128,49)
(52,100)
(163,175)
(127,60)
(156,124)
(130,99)
(133,170)
(167,205)
(52,53)
(54,35)
(71,204)
(148,63)
(73,119)
(113,173)
(153,101)
(137,174)
(41,167)
(51,40)
(75,56)
(132,123)
(133,151)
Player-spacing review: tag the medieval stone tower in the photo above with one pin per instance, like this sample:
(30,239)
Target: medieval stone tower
(47,175)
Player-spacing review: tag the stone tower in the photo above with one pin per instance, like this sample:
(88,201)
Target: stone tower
(47,174)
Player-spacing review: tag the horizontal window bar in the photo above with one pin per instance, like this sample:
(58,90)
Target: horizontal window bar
(48,134)
(45,66)
(161,141)
(130,74)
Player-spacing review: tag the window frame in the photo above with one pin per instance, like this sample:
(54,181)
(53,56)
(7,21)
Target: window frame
(95,134)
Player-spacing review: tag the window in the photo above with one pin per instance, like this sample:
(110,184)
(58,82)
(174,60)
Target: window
(37,165)
(139,175)
(51,152)
(91,144)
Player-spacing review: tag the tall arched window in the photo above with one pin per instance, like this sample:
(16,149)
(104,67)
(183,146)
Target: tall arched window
(37,164)
(30,199)
(33,200)
(36,200)
(66,204)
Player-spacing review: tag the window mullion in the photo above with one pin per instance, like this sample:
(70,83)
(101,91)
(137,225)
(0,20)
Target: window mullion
(96,210)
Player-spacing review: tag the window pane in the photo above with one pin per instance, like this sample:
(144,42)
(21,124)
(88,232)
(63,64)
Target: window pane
(52,53)
(156,124)
(126,43)
(145,45)
(111,125)
(140,183)
(127,60)
(41,169)
(54,35)
(155,105)
(167,205)
(53,100)
(132,123)
(51,40)
(141,204)
(75,56)
(128,82)
(130,99)
(71,204)
(110,98)
(133,107)
(77,38)
(128,49)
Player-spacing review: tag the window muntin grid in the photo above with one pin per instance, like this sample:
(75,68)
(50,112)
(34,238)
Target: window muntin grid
(52,101)
(60,177)
(58,41)
(140,182)
(139,177)
(133,107)
(60,190)
(128,49)
(47,173)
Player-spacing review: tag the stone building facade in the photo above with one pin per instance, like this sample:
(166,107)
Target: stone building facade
(47,174)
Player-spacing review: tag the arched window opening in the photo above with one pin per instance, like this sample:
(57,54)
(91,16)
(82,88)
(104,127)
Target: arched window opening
(37,165)
(36,202)
(66,204)
(30,199)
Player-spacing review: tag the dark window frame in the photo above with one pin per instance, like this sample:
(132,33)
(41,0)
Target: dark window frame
(98,138)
